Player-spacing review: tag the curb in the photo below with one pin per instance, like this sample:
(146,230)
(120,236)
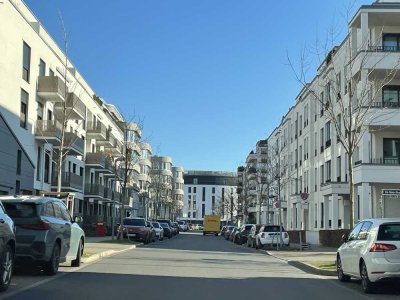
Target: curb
(105,254)
(305,267)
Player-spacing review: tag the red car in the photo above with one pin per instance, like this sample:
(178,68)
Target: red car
(137,229)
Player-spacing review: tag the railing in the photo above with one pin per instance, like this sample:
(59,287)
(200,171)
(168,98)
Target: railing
(73,141)
(75,103)
(94,189)
(46,128)
(97,128)
(382,104)
(385,161)
(384,48)
(51,87)
(97,158)
(69,179)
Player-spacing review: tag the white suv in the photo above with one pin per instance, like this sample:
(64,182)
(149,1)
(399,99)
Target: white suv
(370,252)
(270,235)
(183,225)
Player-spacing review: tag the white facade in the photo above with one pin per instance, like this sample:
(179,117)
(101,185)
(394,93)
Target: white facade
(207,192)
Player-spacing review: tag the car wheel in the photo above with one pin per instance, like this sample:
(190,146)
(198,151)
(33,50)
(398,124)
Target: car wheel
(77,262)
(257,244)
(51,268)
(366,284)
(341,276)
(6,268)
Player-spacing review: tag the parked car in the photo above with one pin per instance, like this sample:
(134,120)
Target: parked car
(223,230)
(175,227)
(233,233)
(167,230)
(191,226)
(241,236)
(183,226)
(153,234)
(270,235)
(198,227)
(251,238)
(45,233)
(7,249)
(159,230)
(136,229)
(228,232)
(371,252)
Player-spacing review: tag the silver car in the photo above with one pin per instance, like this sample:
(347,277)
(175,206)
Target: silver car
(7,249)
(45,233)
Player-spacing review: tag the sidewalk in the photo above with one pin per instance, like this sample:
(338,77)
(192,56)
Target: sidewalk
(95,249)
(304,259)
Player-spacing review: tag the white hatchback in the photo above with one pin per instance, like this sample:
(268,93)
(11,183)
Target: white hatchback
(159,230)
(270,235)
(371,252)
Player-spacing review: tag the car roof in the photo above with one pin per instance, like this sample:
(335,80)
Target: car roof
(380,221)
(28,199)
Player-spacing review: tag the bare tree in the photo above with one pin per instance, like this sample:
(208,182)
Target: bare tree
(346,88)
(226,205)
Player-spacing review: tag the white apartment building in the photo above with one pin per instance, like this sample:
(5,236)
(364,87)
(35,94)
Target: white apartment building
(209,192)
(37,80)
(351,81)
(165,190)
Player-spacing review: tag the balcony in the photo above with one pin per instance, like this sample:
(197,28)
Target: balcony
(51,88)
(48,131)
(74,144)
(377,170)
(69,181)
(252,170)
(331,187)
(100,162)
(94,190)
(75,108)
(96,131)
(108,142)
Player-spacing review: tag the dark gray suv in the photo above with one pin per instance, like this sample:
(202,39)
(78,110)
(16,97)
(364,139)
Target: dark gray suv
(43,231)
(7,249)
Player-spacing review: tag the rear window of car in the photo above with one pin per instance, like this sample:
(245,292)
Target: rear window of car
(164,225)
(272,229)
(156,225)
(20,210)
(248,227)
(389,232)
(134,222)
(181,222)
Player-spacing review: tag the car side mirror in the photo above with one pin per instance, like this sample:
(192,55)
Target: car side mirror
(78,219)
(345,238)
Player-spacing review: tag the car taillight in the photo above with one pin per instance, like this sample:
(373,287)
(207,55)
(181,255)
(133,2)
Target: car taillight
(262,235)
(382,247)
(40,225)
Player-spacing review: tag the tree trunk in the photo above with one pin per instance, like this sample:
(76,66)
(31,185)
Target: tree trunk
(352,191)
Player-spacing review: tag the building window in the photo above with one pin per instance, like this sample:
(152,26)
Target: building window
(23,117)
(213,190)
(189,189)
(39,164)
(194,190)
(19,158)
(328,134)
(322,139)
(339,169)
(195,181)
(42,68)
(391,42)
(322,174)
(26,62)
(51,73)
(203,210)
(17,187)
(391,96)
(47,167)
(328,171)
(39,111)
(204,194)
(391,151)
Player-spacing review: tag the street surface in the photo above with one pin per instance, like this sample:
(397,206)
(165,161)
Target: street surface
(189,266)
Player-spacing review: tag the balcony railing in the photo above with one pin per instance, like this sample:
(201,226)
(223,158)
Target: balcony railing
(94,189)
(381,104)
(75,144)
(51,88)
(384,48)
(98,130)
(75,108)
(98,159)
(69,180)
(48,130)
(385,161)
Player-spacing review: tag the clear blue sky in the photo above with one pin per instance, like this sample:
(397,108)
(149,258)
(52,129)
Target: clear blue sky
(210,78)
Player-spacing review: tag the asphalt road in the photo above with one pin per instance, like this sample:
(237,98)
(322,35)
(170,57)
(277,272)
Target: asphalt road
(192,266)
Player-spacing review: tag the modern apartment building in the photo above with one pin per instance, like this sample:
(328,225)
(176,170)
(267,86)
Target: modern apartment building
(165,188)
(39,88)
(209,192)
(355,96)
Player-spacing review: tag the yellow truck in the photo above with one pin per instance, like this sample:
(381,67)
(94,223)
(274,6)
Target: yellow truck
(211,224)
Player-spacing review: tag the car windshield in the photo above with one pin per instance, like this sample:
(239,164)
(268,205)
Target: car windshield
(389,232)
(164,225)
(272,229)
(181,222)
(156,225)
(134,222)
(20,210)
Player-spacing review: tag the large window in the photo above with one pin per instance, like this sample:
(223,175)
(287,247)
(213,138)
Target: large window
(24,109)
(391,96)
(391,150)
(391,42)
(26,62)
(42,68)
